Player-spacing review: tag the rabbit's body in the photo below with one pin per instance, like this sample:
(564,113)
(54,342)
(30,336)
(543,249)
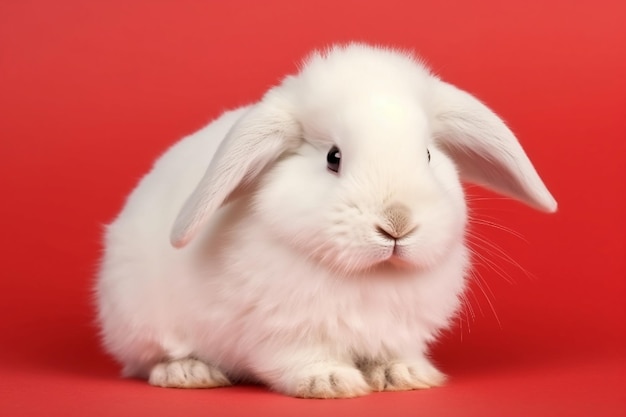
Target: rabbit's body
(317,282)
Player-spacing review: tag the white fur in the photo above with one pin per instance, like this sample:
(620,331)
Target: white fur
(279,273)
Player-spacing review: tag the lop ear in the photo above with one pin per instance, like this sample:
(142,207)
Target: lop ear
(484,149)
(256,140)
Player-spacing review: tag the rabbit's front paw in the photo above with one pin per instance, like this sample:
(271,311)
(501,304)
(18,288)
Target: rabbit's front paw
(330,381)
(187,373)
(402,376)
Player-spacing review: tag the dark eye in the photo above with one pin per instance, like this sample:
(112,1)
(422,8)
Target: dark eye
(333,159)
(428,153)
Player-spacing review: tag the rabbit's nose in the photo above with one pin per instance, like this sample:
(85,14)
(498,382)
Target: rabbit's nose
(397,222)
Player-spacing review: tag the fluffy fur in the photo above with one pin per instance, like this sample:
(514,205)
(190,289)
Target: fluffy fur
(241,256)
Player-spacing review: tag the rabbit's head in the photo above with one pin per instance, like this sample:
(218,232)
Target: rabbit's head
(357,162)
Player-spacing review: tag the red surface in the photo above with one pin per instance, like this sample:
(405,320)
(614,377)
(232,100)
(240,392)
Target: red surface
(92,92)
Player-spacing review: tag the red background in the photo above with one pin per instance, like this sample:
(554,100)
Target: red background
(92,92)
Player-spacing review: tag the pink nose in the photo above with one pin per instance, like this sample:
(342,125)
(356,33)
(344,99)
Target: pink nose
(396,222)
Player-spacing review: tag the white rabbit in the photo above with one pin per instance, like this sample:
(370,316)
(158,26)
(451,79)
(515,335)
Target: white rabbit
(323,248)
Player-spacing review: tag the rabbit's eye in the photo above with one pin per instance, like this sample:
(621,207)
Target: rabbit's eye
(428,153)
(333,159)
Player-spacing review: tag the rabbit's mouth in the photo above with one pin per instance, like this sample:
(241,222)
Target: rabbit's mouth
(405,257)
(393,264)
(396,259)
(398,254)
